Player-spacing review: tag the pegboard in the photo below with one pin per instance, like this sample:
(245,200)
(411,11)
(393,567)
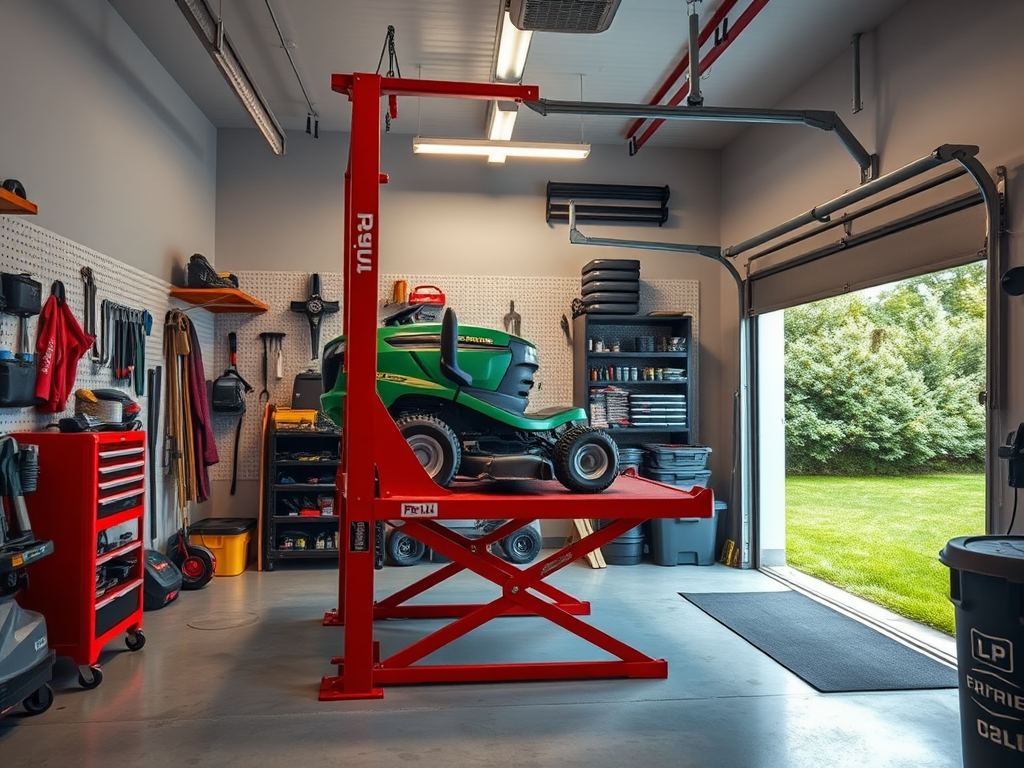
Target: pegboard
(481,300)
(46,256)
(277,290)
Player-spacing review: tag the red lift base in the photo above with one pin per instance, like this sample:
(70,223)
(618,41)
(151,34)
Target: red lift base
(331,690)
(518,598)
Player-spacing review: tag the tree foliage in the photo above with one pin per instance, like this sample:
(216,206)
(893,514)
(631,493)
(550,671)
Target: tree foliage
(888,383)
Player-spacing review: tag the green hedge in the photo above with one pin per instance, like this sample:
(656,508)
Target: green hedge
(888,384)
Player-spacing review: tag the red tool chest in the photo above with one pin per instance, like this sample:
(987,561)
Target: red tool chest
(92,486)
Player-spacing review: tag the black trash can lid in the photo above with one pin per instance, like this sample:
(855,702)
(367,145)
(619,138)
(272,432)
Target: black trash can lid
(223,526)
(1001,556)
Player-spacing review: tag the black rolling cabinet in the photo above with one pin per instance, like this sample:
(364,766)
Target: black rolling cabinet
(299,520)
(633,373)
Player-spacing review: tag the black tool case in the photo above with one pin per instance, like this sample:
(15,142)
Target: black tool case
(17,383)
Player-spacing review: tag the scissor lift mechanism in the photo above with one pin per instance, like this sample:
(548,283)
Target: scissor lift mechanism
(380,478)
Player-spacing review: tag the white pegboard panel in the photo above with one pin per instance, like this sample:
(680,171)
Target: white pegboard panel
(477,299)
(277,290)
(28,248)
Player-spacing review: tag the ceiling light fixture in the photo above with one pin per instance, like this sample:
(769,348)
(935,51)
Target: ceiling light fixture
(501,119)
(513,47)
(210,31)
(497,151)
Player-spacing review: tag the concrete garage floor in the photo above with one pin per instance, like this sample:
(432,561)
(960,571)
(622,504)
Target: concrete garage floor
(243,691)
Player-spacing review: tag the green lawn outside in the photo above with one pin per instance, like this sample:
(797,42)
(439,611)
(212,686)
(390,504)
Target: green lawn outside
(879,537)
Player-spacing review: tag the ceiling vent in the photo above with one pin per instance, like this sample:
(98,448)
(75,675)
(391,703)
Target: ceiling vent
(563,15)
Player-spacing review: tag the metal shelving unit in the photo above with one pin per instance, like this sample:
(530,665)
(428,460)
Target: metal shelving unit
(277,526)
(624,330)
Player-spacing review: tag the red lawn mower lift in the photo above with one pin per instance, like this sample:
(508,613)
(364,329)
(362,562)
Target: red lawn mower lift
(381,479)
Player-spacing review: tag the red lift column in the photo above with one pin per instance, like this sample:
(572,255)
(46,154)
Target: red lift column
(356,473)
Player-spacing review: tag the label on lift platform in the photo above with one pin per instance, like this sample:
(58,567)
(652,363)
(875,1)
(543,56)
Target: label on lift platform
(419,509)
(359,536)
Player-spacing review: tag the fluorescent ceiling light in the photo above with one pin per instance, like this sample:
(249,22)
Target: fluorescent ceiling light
(497,151)
(501,119)
(513,47)
(210,31)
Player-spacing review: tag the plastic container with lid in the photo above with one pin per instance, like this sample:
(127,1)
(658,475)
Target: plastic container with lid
(986,585)
(228,538)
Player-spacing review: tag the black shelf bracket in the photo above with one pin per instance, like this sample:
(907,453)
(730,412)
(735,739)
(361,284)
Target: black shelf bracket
(619,203)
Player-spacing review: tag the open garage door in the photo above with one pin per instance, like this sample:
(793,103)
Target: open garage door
(933,225)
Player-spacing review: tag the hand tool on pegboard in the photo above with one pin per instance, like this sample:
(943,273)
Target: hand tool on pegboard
(314,308)
(90,312)
(271,350)
(513,322)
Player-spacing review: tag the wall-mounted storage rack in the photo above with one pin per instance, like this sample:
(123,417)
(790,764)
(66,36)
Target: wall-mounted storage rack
(623,203)
(11,203)
(220,300)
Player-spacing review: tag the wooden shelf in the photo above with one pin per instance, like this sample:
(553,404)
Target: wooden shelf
(11,203)
(220,300)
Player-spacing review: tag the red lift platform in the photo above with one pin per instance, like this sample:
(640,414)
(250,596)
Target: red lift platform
(380,478)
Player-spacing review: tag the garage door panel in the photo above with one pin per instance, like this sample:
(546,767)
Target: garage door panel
(824,266)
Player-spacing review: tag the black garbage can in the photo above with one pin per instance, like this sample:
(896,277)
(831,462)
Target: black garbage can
(986,584)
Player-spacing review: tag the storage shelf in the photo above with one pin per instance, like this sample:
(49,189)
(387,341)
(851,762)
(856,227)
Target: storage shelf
(613,430)
(600,319)
(306,519)
(274,517)
(11,203)
(300,554)
(324,463)
(641,382)
(129,547)
(675,355)
(220,300)
(659,329)
(109,521)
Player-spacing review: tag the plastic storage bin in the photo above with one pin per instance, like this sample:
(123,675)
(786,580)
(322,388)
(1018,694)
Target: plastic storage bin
(986,586)
(627,549)
(685,480)
(685,540)
(228,538)
(676,458)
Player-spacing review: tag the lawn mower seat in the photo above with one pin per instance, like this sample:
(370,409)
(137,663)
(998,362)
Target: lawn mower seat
(407,315)
(449,350)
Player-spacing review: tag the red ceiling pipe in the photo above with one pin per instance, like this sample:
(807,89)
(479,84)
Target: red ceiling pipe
(742,22)
(716,18)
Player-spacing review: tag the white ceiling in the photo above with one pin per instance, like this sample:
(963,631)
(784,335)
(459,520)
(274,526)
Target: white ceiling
(455,40)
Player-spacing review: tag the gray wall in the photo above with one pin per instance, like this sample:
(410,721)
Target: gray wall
(463,216)
(108,146)
(937,71)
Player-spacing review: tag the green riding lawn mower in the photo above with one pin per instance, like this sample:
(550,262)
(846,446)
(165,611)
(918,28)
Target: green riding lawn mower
(459,397)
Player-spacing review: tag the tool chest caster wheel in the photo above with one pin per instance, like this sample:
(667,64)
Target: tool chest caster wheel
(135,641)
(39,701)
(89,677)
